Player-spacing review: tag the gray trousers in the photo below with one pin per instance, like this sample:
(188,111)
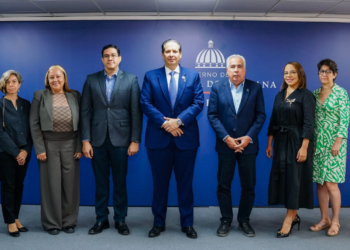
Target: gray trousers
(59,185)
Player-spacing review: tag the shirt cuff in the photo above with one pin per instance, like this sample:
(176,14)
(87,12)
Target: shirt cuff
(225,138)
(251,140)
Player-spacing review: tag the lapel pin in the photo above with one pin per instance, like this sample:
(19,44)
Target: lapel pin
(184,78)
(247,90)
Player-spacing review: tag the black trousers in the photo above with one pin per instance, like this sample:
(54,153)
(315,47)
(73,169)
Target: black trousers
(12,178)
(247,173)
(108,157)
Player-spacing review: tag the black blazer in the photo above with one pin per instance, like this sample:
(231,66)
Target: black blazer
(41,117)
(16,134)
(122,115)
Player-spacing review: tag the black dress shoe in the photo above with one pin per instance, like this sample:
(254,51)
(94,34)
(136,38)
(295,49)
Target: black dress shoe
(122,228)
(23,229)
(53,231)
(98,227)
(246,229)
(13,234)
(190,232)
(224,228)
(68,229)
(155,231)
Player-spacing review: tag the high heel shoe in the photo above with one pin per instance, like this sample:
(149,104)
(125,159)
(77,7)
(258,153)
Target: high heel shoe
(13,234)
(280,234)
(23,229)
(296,220)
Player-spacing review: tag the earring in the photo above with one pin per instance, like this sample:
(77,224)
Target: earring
(18,90)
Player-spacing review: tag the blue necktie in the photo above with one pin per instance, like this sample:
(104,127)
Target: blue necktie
(172,88)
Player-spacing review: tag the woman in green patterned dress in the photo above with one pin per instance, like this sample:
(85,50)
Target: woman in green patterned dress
(331,132)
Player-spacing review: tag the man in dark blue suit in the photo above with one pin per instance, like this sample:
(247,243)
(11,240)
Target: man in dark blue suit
(237,113)
(171,98)
(111,125)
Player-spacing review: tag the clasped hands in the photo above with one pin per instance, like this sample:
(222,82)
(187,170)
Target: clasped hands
(237,144)
(170,125)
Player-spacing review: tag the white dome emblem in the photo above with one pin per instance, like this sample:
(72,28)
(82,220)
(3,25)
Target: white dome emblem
(210,58)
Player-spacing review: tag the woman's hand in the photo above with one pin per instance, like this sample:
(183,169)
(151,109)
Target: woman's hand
(302,154)
(336,146)
(42,157)
(21,157)
(77,156)
(269,151)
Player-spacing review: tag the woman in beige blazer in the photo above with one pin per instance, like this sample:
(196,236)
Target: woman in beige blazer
(54,123)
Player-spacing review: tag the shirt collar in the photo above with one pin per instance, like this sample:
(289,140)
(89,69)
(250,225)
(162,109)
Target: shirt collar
(114,75)
(167,70)
(241,84)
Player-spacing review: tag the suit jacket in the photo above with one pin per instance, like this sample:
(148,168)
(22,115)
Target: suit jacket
(41,117)
(16,134)
(122,115)
(155,104)
(225,120)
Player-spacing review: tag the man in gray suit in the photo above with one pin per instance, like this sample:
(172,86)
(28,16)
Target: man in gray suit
(111,124)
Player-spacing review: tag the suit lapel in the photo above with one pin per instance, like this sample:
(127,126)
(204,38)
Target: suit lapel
(228,94)
(102,82)
(180,86)
(117,84)
(48,102)
(245,95)
(164,85)
(73,107)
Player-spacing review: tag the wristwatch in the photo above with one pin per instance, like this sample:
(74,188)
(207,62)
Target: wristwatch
(179,122)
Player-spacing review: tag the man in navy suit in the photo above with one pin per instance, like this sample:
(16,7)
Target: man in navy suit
(237,113)
(111,125)
(171,98)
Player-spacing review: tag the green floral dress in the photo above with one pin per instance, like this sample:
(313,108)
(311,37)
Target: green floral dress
(331,121)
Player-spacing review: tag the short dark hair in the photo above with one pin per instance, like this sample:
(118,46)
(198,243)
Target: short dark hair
(301,76)
(170,40)
(110,46)
(330,63)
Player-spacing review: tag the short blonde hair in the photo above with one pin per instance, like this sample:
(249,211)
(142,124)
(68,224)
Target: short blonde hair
(6,76)
(65,86)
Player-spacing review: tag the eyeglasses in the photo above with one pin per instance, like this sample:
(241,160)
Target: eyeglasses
(108,56)
(327,72)
(292,72)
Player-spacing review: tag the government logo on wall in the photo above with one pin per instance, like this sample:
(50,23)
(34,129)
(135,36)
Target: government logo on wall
(210,58)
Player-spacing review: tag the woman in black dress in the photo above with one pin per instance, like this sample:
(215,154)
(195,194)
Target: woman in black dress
(291,129)
(15,148)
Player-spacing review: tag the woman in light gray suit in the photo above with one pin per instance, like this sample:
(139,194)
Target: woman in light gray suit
(54,123)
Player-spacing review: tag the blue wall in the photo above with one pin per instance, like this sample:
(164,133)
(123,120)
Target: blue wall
(31,47)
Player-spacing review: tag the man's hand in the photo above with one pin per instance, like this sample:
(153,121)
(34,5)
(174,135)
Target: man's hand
(42,157)
(21,157)
(170,124)
(133,148)
(177,132)
(87,150)
(231,143)
(242,141)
